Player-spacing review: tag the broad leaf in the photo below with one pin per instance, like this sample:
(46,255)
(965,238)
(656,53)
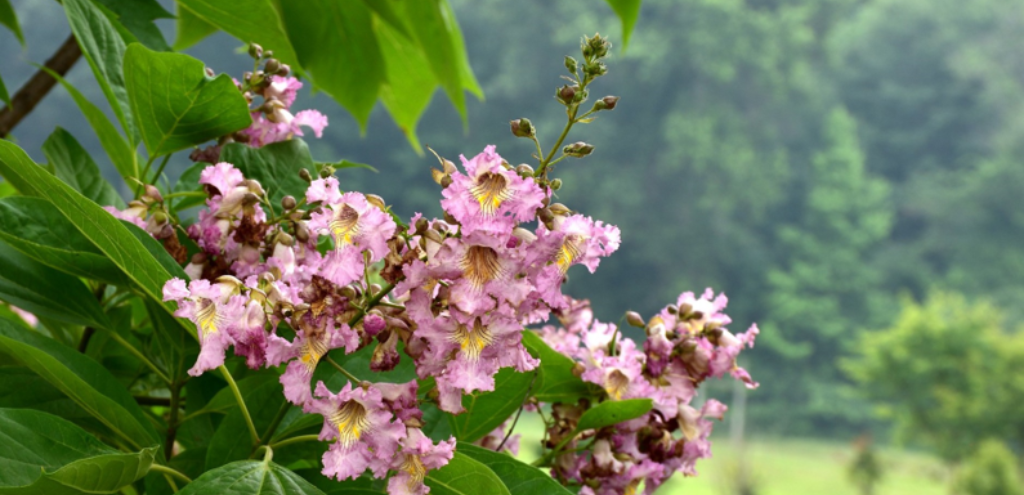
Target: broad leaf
(464,476)
(4,97)
(628,11)
(276,166)
(171,343)
(177,104)
(37,288)
(120,152)
(83,380)
(104,49)
(613,412)
(10,19)
(253,21)
(46,455)
(73,165)
(520,478)
(488,410)
(232,440)
(190,28)
(330,38)
(108,234)
(434,29)
(410,83)
(358,363)
(557,383)
(188,182)
(250,478)
(21,388)
(330,486)
(137,17)
(438,423)
(39,230)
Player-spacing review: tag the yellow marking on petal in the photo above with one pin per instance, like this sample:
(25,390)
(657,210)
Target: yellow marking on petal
(207,318)
(490,191)
(417,472)
(351,420)
(480,265)
(345,225)
(570,252)
(472,341)
(632,487)
(312,350)
(616,384)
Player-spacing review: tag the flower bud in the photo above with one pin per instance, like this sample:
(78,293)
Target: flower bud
(374,289)
(302,232)
(570,64)
(595,69)
(560,210)
(152,195)
(210,72)
(567,94)
(374,324)
(446,181)
(160,218)
(522,128)
(326,171)
(254,187)
(284,70)
(556,184)
(433,236)
(578,369)
(304,174)
(598,45)
(545,215)
(199,258)
(288,202)
(606,103)
(672,309)
(268,53)
(437,175)
(285,239)
(421,225)
(524,170)
(272,66)
(634,319)
(250,199)
(255,51)
(578,149)
(377,201)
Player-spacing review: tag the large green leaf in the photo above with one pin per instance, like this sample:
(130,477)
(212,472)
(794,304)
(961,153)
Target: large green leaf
(613,412)
(557,382)
(464,476)
(231,441)
(520,478)
(253,21)
(108,234)
(189,182)
(410,83)
(190,28)
(250,478)
(628,11)
(46,455)
(10,19)
(330,39)
(434,29)
(177,104)
(486,411)
(73,165)
(276,166)
(330,486)
(104,49)
(120,152)
(137,17)
(4,97)
(39,230)
(37,288)
(83,380)
(21,388)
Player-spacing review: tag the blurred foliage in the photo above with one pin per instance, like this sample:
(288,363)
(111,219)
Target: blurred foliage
(947,373)
(992,470)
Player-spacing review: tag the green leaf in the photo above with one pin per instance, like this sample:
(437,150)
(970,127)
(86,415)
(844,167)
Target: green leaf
(613,412)
(486,411)
(83,380)
(231,441)
(37,288)
(469,81)
(410,83)
(434,28)
(73,165)
(628,11)
(189,182)
(21,388)
(190,28)
(253,21)
(464,476)
(104,49)
(250,478)
(330,38)
(120,244)
(39,230)
(137,17)
(4,97)
(387,11)
(120,152)
(176,104)
(156,251)
(347,164)
(330,486)
(170,341)
(556,383)
(46,455)
(520,478)
(10,19)
(276,166)
(358,363)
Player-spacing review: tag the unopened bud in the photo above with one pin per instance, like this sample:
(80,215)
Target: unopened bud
(578,149)
(284,70)
(209,72)
(268,53)
(522,128)
(250,199)
(285,239)
(288,202)
(365,385)
(567,94)
(437,175)
(595,69)
(672,309)
(349,292)
(634,319)
(433,236)
(556,184)
(421,225)
(160,217)
(450,219)
(560,209)
(598,45)
(152,195)
(255,51)
(377,201)
(524,170)
(545,215)
(374,289)
(272,66)
(326,171)
(606,103)
(199,258)
(578,369)
(571,64)
(254,187)
(304,174)
(302,232)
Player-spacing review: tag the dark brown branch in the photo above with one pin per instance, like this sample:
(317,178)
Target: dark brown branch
(38,86)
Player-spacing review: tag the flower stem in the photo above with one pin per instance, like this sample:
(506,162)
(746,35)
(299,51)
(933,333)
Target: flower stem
(138,354)
(516,420)
(371,303)
(343,371)
(265,439)
(160,170)
(298,439)
(160,468)
(241,404)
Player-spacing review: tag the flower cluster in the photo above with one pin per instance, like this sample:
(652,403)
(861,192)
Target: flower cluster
(687,343)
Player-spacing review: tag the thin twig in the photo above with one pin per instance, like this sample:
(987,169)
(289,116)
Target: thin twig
(355,380)
(516,420)
(241,404)
(160,468)
(33,91)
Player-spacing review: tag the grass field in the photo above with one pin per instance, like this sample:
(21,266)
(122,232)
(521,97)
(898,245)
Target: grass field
(788,467)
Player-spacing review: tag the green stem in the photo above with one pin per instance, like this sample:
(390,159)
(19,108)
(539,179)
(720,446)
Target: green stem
(172,420)
(161,169)
(170,481)
(160,468)
(298,439)
(371,303)
(565,132)
(241,404)
(265,439)
(543,461)
(540,151)
(142,176)
(138,354)
(181,194)
(343,371)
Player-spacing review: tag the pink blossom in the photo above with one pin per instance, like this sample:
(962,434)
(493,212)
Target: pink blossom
(490,197)
(214,309)
(418,456)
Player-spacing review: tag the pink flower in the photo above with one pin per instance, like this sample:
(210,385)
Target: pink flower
(366,436)
(214,309)
(418,456)
(490,197)
(303,354)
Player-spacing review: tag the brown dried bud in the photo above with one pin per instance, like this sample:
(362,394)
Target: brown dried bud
(377,201)
(578,149)
(199,258)
(288,202)
(422,225)
(567,94)
(302,232)
(522,128)
(560,209)
(578,369)
(634,319)
(672,309)
(524,170)
(304,174)
(545,215)
(446,181)
(272,66)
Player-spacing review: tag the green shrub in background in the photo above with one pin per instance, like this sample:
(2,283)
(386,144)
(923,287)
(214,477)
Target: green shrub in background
(991,470)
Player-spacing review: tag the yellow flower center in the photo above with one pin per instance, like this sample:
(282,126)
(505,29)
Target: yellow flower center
(480,265)
(616,384)
(207,318)
(472,341)
(490,191)
(345,225)
(417,472)
(570,252)
(351,420)
(312,350)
